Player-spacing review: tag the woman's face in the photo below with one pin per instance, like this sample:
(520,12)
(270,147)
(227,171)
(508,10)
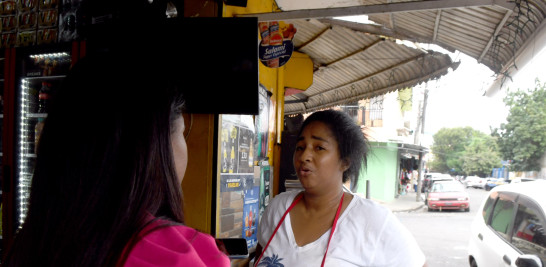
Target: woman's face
(317,160)
(180,150)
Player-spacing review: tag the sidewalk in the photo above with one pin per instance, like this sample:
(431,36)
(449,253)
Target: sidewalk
(405,202)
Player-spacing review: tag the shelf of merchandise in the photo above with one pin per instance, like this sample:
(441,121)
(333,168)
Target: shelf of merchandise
(28,117)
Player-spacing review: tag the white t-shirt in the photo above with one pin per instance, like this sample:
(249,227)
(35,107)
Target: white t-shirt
(367,234)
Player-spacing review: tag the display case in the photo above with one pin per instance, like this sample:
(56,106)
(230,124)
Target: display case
(244,174)
(41,74)
(2,76)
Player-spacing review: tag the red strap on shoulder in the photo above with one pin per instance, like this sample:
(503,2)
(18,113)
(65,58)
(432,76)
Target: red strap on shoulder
(296,200)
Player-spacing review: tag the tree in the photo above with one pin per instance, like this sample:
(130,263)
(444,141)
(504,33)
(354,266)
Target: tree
(522,138)
(464,151)
(448,144)
(481,155)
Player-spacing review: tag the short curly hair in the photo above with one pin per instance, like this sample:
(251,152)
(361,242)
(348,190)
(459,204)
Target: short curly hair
(352,142)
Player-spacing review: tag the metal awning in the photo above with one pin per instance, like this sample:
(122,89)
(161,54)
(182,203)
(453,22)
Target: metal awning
(348,55)
(402,147)
(351,65)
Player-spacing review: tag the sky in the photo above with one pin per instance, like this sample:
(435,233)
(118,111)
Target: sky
(457,99)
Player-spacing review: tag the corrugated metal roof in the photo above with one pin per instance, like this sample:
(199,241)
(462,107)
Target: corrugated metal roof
(491,34)
(355,60)
(350,65)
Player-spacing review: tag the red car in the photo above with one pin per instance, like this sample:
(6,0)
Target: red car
(447,195)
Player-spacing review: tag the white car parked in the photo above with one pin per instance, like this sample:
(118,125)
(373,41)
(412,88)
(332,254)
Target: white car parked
(474,181)
(508,229)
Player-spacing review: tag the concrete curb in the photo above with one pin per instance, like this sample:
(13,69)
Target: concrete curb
(404,203)
(410,210)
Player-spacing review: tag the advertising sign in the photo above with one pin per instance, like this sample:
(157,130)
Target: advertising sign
(262,124)
(236,160)
(276,46)
(238,186)
(265,186)
(250,216)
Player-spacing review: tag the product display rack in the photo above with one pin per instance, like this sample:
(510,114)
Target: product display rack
(38,71)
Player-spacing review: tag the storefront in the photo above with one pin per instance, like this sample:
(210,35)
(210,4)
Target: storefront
(234,169)
(388,165)
(234,154)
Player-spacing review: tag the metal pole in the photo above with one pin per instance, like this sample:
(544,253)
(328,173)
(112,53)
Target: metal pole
(424,111)
(417,133)
(421,130)
(419,176)
(367,189)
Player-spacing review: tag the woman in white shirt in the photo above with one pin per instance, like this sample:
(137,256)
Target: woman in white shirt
(322,225)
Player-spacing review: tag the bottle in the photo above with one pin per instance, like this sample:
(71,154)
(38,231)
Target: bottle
(43,97)
(33,93)
(264,32)
(37,132)
(225,159)
(251,154)
(232,160)
(225,137)
(275,37)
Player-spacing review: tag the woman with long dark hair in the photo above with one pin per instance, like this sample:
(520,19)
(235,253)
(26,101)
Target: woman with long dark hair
(106,189)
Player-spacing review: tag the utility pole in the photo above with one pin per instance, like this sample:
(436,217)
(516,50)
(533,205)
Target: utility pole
(417,135)
(424,110)
(420,129)
(417,140)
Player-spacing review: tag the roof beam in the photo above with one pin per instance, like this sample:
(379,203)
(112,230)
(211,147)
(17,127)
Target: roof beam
(300,47)
(298,100)
(376,42)
(373,29)
(391,18)
(497,30)
(383,31)
(380,91)
(377,9)
(436,25)
(389,68)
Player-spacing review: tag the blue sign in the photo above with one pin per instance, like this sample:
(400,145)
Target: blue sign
(275,56)
(250,216)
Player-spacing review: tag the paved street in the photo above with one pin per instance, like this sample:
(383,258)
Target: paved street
(443,236)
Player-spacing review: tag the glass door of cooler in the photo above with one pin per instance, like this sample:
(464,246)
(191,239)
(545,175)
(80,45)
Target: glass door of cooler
(2,76)
(41,75)
(243,186)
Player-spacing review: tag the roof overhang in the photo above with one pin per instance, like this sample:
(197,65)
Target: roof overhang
(292,10)
(497,33)
(531,47)
(350,65)
(401,147)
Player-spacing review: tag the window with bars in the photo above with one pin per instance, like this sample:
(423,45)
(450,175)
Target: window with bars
(376,108)
(352,109)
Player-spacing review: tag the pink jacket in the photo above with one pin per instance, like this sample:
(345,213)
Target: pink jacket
(176,246)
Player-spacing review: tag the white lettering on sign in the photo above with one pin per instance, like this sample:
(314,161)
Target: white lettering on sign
(275,51)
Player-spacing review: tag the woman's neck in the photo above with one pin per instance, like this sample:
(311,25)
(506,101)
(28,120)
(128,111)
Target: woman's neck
(318,203)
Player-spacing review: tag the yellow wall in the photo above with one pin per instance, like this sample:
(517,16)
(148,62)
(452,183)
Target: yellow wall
(299,71)
(197,184)
(271,79)
(252,6)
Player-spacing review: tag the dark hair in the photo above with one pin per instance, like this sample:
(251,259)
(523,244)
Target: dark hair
(352,143)
(104,164)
